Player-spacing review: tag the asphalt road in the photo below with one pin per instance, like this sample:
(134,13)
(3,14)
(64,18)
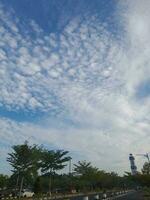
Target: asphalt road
(131,196)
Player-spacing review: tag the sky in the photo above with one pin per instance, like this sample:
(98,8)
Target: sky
(75,75)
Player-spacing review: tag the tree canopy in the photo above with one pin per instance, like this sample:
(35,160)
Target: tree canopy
(146,168)
(37,167)
(54,160)
(24,159)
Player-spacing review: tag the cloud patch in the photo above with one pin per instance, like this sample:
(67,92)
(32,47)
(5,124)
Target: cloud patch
(85,75)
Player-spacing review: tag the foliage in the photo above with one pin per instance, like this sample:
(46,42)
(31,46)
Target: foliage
(38,186)
(92,178)
(24,159)
(3,180)
(83,168)
(27,161)
(146,168)
(140,179)
(53,160)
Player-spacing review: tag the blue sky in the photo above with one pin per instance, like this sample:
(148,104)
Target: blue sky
(54,15)
(74,74)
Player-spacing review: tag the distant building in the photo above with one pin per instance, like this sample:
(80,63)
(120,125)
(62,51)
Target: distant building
(132,164)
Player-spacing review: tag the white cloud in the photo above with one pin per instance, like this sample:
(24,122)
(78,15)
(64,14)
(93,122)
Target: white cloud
(87,72)
(79,57)
(107,149)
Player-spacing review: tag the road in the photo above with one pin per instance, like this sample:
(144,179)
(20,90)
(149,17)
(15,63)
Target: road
(131,196)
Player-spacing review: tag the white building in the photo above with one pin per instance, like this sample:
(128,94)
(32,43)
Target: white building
(132,164)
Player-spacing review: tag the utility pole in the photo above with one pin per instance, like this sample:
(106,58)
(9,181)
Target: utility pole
(17,183)
(70,172)
(70,167)
(145,155)
(21,187)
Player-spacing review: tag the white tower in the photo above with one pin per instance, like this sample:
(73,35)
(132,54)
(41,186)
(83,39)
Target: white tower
(132,164)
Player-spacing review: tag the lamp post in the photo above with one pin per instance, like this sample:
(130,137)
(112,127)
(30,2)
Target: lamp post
(146,156)
(70,172)
(70,169)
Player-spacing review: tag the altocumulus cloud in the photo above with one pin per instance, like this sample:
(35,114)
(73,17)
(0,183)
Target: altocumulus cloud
(84,75)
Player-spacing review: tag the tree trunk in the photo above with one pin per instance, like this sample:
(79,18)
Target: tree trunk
(50,183)
(17,181)
(17,186)
(21,186)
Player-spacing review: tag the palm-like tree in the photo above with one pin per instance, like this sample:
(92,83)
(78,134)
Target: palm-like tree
(84,167)
(24,161)
(53,161)
(86,173)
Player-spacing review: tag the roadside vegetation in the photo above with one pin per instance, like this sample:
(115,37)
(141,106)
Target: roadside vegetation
(39,169)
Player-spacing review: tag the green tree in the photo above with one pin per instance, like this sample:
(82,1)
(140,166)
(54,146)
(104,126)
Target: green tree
(53,161)
(3,181)
(83,168)
(25,162)
(87,174)
(91,178)
(146,168)
(38,186)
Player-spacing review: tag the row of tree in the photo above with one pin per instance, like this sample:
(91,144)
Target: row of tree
(28,161)
(36,167)
(141,178)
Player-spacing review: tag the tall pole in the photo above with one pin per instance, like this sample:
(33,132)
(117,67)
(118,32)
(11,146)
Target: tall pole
(50,182)
(70,175)
(70,167)
(21,186)
(147,156)
(17,183)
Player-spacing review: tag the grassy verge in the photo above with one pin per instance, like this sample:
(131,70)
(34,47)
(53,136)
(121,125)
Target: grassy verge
(146,193)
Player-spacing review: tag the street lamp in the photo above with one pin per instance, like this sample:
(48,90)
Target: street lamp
(145,155)
(70,169)
(69,174)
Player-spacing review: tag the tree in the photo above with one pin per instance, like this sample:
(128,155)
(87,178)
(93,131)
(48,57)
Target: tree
(3,181)
(38,186)
(22,159)
(82,168)
(146,168)
(53,161)
(25,162)
(87,173)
